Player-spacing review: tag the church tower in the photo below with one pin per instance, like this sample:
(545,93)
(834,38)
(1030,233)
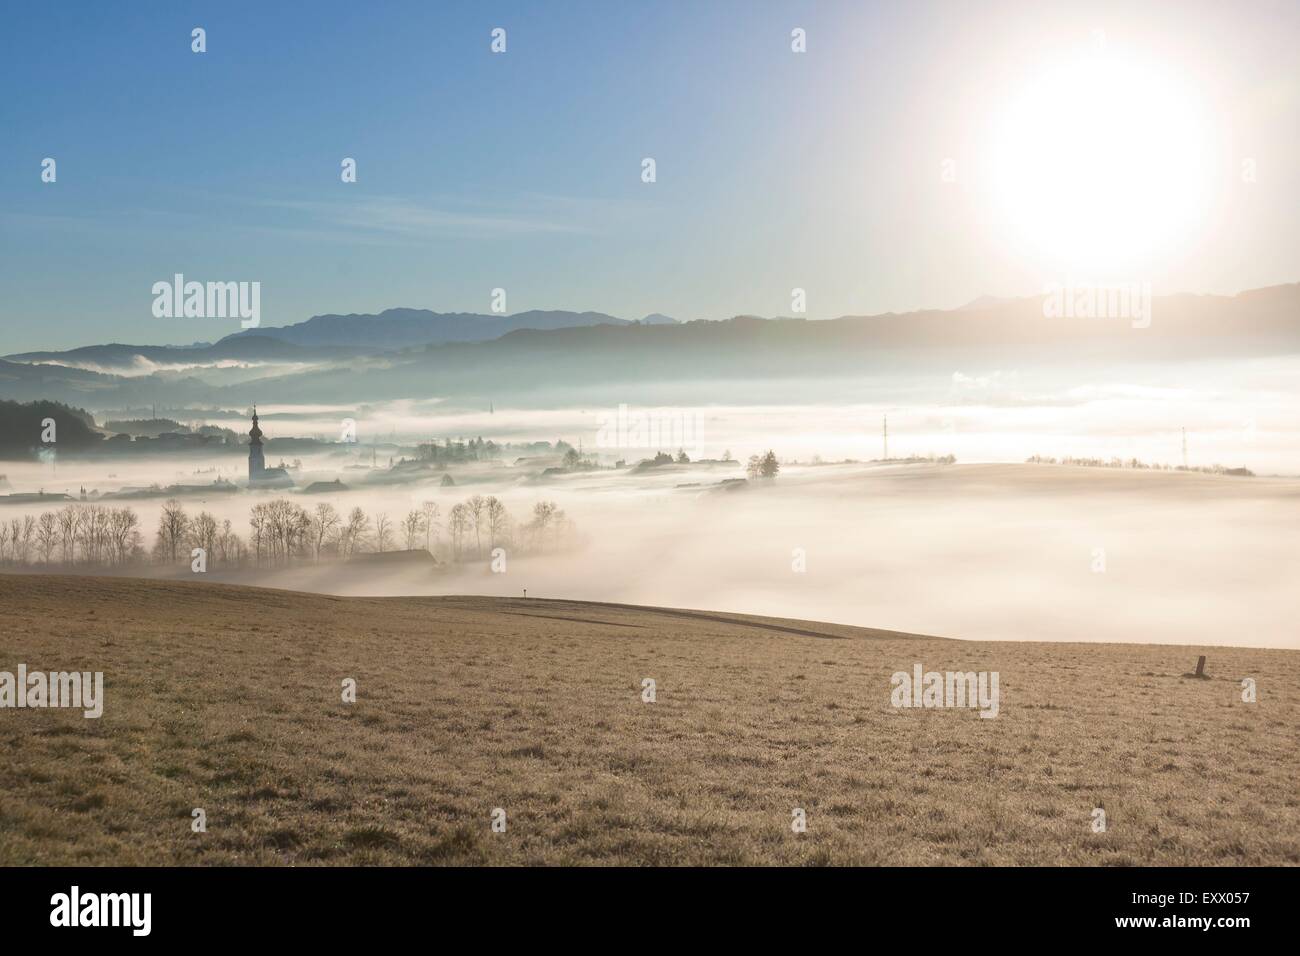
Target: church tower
(256,461)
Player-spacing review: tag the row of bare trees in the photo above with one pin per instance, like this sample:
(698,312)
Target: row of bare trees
(280,531)
(179,534)
(485,520)
(87,534)
(283,531)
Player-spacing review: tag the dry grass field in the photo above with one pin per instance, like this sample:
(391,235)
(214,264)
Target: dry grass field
(229,699)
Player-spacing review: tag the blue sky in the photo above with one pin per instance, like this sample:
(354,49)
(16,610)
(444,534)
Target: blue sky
(521,170)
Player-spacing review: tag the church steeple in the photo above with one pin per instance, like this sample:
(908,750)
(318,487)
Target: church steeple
(256,462)
(255,435)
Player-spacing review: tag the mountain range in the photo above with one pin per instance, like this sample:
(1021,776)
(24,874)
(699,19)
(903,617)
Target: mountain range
(399,328)
(409,353)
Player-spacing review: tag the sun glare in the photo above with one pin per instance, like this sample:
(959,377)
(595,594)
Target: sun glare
(1099,164)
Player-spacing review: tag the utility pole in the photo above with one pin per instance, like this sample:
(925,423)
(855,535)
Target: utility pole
(885,435)
(1184,449)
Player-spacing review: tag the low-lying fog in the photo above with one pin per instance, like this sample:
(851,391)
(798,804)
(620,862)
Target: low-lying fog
(1242,412)
(983,551)
(1019,552)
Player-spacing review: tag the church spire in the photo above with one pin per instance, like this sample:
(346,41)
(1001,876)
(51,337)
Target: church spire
(255,433)
(256,461)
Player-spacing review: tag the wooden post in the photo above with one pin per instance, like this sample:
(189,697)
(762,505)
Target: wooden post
(1200,666)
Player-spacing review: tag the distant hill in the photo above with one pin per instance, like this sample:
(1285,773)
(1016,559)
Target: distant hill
(120,359)
(983,302)
(322,338)
(22,428)
(593,351)
(19,380)
(528,364)
(401,328)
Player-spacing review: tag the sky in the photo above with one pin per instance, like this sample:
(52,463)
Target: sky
(915,155)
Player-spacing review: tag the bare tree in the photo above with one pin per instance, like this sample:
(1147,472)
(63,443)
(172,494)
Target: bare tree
(383,532)
(47,535)
(124,534)
(458,521)
(172,526)
(498,519)
(68,523)
(95,534)
(324,523)
(257,524)
(230,550)
(279,529)
(20,537)
(28,530)
(203,534)
(302,530)
(412,525)
(477,508)
(543,515)
(284,529)
(353,537)
(430,511)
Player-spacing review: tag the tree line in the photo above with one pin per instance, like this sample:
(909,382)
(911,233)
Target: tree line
(75,534)
(279,532)
(1134,463)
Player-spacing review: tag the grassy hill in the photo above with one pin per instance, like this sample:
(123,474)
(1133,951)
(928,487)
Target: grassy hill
(229,699)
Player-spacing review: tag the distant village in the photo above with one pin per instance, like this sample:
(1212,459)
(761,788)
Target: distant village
(359,465)
(377,463)
(94,530)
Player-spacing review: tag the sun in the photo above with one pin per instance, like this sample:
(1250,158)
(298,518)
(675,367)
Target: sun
(1099,164)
